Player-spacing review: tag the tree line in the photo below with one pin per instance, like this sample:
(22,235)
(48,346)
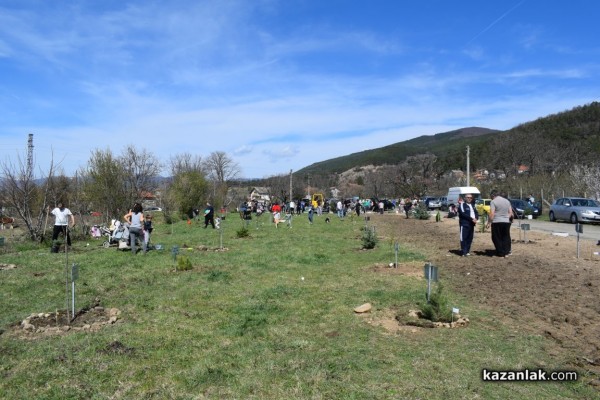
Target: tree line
(111,183)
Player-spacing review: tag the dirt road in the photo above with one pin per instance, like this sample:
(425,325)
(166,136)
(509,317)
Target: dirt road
(542,288)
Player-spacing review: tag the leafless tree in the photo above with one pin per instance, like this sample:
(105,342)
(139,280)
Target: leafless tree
(186,162)
(221,169)
(21,193)
(141,168)
(279,187)
(587,179)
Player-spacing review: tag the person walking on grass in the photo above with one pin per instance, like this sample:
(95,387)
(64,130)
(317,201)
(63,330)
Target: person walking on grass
(209,216)
(467,219)
(500,218)
(135,218)
(407,206)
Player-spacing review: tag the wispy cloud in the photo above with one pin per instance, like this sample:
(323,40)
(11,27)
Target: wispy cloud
(262,81)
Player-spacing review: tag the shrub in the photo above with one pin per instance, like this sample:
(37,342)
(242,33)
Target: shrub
(420,212)
(242,232)
(438,309)
(183,263)
(369,238)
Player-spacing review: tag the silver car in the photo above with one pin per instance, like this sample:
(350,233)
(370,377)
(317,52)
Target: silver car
(575,209)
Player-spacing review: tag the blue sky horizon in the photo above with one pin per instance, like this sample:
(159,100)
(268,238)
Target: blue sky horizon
(279,85)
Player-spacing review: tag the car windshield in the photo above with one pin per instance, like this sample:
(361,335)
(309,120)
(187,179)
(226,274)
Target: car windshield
(584,203)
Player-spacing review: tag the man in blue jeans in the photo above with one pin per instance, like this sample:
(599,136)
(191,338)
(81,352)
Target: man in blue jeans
(467,219)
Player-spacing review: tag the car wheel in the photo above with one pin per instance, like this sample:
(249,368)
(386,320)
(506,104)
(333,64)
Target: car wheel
(551,216)
(573,218)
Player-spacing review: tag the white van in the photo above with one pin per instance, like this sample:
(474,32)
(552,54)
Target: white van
(460,191)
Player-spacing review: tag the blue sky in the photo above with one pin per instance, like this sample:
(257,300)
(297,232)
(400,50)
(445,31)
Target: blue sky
(281,84)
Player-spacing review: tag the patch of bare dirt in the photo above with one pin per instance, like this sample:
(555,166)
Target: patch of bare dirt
(59,323)
(542,288)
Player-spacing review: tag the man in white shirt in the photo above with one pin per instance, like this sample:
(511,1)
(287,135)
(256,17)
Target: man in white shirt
(62,217)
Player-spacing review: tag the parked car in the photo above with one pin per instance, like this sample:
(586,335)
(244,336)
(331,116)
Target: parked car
(444,203)
(575,209)
(522,208)
(434,203)
(483,206)
(429,199)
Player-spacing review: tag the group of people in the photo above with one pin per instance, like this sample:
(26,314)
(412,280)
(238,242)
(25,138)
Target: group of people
(140,226)
(500,220)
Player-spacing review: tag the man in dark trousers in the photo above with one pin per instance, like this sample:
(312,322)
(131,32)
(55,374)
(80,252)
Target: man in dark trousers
(501,216)
(209,215)
(63,221)
(467,219)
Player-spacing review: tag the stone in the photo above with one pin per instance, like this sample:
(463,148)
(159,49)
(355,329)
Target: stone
(363,309)
(112,320)
(96,326)
(99,308)
(113,312)
(28,327)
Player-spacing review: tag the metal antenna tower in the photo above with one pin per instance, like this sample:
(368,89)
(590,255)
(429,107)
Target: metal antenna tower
(30,156)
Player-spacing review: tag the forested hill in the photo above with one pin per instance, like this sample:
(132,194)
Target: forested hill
(551,143)
(442,145)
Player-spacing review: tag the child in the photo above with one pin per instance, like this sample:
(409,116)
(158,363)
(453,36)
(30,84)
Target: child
(147,229)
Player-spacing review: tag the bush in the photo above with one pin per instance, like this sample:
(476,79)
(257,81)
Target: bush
(183,263)
(438,309)
(242,232)
(420,212)
(369,238)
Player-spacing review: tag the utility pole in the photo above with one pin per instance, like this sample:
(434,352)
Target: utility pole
(468,167)
(30,157)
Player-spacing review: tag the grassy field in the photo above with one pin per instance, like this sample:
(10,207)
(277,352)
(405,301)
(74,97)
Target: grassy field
(271,317)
